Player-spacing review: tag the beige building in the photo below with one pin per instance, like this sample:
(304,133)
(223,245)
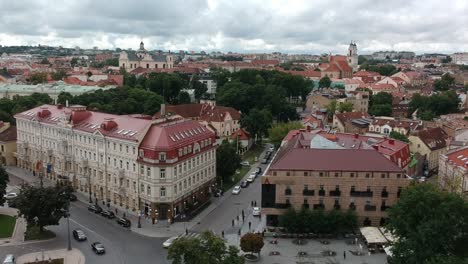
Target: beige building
(316,102)
(453,171)
(130,60)
(7,144)
(163,167)
(358,179)
(429,143)
(341,120)
(360,101)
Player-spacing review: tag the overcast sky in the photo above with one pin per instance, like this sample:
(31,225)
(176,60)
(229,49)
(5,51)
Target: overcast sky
(308,26)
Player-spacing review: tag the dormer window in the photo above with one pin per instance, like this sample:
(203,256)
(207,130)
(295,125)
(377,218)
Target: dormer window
(162,156)
(141,153)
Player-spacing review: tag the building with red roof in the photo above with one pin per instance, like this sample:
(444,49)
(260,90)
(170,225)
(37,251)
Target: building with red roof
(338,68)
(314,170)
(165,167)
(8,144)
(453,171)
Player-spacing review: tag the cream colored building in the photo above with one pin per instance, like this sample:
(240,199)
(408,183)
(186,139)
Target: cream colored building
(7,144)
(131,60)
(453,171)
(158,166)
(430,143)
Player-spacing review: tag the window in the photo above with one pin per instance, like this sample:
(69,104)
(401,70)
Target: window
(367,175)
(175,189)
(128,165)
(352,174)
(321,174)
(142,153)
(142,170)
(162,156)
(288,173)
(336,174)
(305,173)
(121,164)
(114,146)
(126,148)
(162,192)
(398,175)
(382,175)
(162,174)
(134,167)
(148,172)
(274,173)
(148,190)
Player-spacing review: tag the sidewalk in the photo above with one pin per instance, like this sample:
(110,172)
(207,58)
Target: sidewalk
(20,227)
(70,257)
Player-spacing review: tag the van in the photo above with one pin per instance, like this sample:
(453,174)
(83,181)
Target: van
(9,259)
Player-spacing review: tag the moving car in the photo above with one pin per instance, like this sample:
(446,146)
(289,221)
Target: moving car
(245,163)
(169,242)
(108,213)
(251,178)
(79,235)
(98,248)
(236,190)
(9,259)
(9,196)
(244,184)
(95,208)
(124,222)
(256,211)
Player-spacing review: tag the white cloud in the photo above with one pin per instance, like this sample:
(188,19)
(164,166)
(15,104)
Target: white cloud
(243,25)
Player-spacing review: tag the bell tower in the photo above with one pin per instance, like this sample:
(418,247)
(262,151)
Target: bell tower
(353,56)
(142,46)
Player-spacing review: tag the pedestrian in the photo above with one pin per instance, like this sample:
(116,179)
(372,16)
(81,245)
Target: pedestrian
(252,203)
(242,213)
(344,254)
(116,211)
(186,231)
(239,232)
(255,203)
(250,224)
(124,215)
(243,217)
(237,218)
(222,233)
(232,222)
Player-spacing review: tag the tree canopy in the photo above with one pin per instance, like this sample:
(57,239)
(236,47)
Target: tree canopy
(398,136)
(325,82)
(430,224)
(445,83)
(10,107)
(435,105)
(207,249)
(257,122)
(38,77)
(381,104)
(383,69)
(227,160)
(4,179)
(251,242)
(278,131)
(42,206)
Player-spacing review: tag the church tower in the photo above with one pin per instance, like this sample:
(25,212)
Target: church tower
(142,46)
(353,56)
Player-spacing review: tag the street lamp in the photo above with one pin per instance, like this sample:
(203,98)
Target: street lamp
(68,228)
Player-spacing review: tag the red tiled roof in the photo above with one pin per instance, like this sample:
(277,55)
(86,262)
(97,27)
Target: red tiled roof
(382,86)
(265,62)
(202,111)
(241,133)
(457,157)
(333,67)
(9,134)
(366,74)
(334,160)
(343,117)
(408,125)
(433,138)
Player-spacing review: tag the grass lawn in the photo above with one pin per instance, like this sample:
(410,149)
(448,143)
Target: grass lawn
(54,261)
(249,156)
(33,233)
(7,225)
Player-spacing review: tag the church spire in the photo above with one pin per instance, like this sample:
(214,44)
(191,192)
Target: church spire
(142,45)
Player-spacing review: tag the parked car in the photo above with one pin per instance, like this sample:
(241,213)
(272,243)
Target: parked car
(244,184)
(79,235)
(72,197)
(108,213)
(271,149)
(256,211)
(253,174)
(218,193)
(11,195)
(124,222)
(245,163)
(251,178)
(258,171)
(98,248)
(95,208)
(169,242)
(264,161)
(236,190)
(9,259)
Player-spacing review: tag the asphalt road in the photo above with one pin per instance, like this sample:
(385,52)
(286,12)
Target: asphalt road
(122,245)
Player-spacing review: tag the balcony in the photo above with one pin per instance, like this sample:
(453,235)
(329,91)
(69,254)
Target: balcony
(321,192)
(384,194)
(308,192)
(282,205)
(361,194)
(335,193)
(319,206)
(368,207)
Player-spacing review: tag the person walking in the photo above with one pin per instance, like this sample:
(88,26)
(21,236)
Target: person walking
(232,222)
(250,225)
(344,254)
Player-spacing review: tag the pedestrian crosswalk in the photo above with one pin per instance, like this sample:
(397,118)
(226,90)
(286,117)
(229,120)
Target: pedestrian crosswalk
(190,235)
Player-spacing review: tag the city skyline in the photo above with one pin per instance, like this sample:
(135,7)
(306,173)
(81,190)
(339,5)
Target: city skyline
(251,27)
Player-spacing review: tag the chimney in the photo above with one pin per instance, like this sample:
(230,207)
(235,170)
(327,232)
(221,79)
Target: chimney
(376,147)
(163,110)
(391,141)
(66,103)
(356,135)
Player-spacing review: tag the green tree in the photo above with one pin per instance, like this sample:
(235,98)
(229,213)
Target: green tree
(4,179)
(278,131)
(398,136)
(257,122)
(198,87)
(345,107)
(207,249)
(74,62)
(429,223)
(445,83)
(45,61)
(89,74)
(63,97)
(42,206)
(183,98)
(251,242)
(331,108)
(59,75)
(382,98)
(325,82)
(39,77)
(227,160)
(381,110)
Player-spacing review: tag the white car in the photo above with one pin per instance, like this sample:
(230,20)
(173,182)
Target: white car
(10,196)
(169,242)
(236,190)
(256,211)
(272,148)
(251,178)
(253,174)
(245,163)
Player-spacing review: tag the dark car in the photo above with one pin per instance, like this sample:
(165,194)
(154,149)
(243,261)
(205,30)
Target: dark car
(79,235)
(72,197)
(95,208)
(124,222)
(108,213)
(258,171)
(98,248)
(218,193)
(244,184)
